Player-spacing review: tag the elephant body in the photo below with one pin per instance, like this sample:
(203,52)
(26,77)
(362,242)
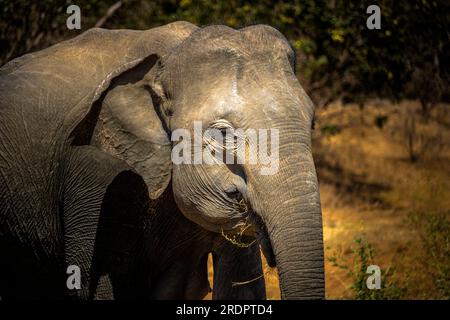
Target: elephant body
(52,183)
(86,176)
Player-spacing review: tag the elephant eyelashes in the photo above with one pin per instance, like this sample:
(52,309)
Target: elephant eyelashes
(221,124)
(221,136)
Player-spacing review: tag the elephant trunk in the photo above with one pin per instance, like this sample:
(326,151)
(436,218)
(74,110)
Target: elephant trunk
(290,210)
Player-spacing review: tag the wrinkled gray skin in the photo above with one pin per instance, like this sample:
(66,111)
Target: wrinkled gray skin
(86,176)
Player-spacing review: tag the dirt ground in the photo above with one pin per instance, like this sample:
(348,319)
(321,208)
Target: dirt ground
(377,166)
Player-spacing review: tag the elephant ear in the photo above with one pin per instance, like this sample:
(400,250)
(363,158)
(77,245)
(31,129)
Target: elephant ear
(129,128)
(71,76)
(92,81)
(60,90)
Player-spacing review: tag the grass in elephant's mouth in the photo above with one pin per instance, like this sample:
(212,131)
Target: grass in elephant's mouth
(253,226)
(242,206)
(239,238)
(236,238)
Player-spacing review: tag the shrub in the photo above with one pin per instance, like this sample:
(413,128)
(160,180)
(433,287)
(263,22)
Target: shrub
(363,255)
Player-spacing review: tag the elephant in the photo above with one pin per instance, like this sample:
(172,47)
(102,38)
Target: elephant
(87,176)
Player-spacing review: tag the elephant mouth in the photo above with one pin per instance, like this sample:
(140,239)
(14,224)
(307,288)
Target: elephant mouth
(245,225)
(253,226)
(257,228)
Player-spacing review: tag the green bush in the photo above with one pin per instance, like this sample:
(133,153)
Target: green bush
(363,255)
(338,57)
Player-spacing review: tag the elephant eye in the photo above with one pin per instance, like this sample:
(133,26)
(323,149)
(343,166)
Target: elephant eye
(224,127)
(227,136)
(221,125)
(223,131)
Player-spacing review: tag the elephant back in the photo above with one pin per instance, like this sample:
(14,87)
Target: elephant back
(57,86)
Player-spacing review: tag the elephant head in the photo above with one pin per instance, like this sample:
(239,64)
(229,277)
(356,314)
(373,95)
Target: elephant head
(228,80)
(119,96)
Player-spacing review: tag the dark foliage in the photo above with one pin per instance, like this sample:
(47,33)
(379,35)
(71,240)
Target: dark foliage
(339,57)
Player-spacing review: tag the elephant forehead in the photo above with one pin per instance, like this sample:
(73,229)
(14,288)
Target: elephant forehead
(217,101)
(224,99)
(242,94)
(242,108)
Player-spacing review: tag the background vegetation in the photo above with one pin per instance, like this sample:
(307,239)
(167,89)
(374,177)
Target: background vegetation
(382,133)
(339,57)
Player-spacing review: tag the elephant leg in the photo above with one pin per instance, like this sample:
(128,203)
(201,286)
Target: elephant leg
(104,289)
(117,259)
(198,285)
(88,175)
(238,272)
(183,281)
